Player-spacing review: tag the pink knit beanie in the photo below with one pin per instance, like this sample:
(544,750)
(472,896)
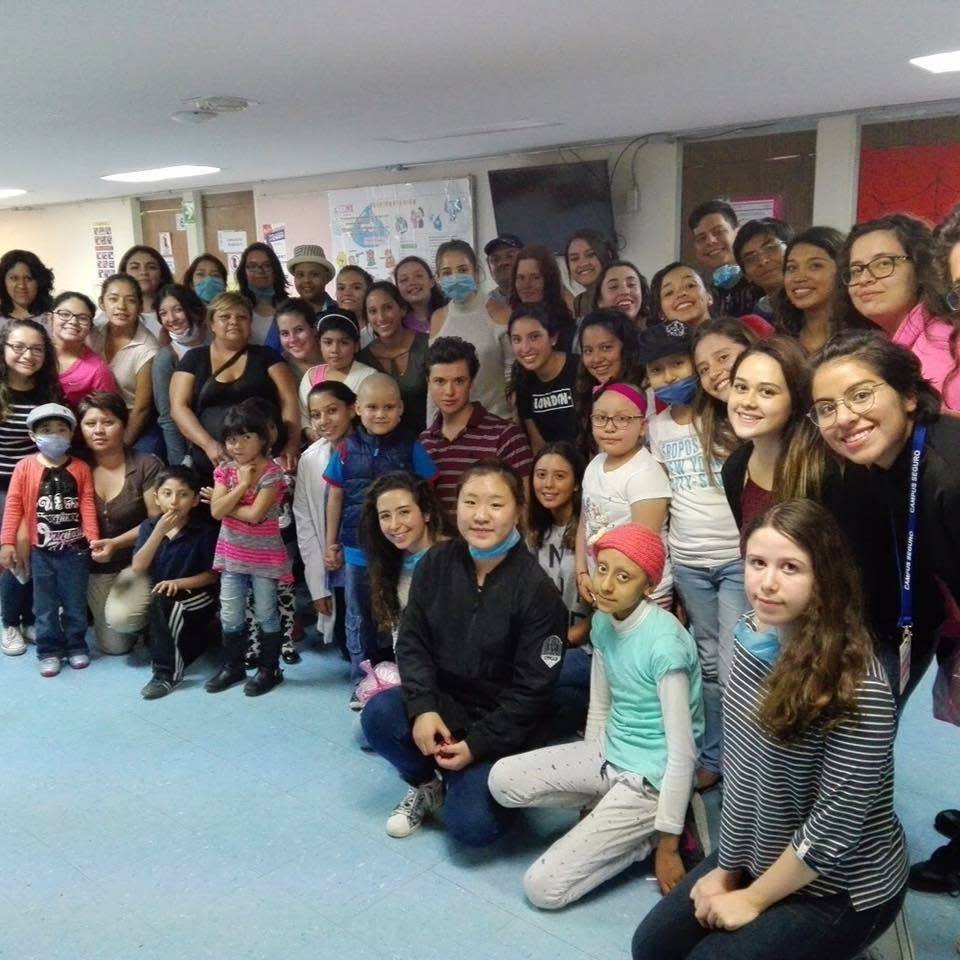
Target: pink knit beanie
(636,543)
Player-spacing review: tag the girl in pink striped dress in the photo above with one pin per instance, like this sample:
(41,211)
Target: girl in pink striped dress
(250,556)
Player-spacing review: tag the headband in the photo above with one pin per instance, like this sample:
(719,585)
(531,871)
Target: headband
(630,393)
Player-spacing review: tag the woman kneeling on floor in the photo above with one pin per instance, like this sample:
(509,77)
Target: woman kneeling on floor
(479,650)
(636,762)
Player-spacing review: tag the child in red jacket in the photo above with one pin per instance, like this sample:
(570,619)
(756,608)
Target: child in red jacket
(54,493)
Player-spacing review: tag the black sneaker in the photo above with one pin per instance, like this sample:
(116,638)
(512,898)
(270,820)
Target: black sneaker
(939,874)
(290,655)
(947,822)
(263,681)
(159,686)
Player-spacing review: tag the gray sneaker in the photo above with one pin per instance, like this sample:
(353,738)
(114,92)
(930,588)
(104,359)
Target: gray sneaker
(50,666)
(417,804)
(79,661)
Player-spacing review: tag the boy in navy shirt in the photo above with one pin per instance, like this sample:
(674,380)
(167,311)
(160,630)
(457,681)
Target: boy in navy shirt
(176,551)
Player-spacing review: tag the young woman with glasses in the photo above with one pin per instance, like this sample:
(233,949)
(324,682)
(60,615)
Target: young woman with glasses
(887,278)
(81,370)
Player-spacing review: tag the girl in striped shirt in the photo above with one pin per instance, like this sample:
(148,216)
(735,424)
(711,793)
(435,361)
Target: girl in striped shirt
(812,861)
(247,495)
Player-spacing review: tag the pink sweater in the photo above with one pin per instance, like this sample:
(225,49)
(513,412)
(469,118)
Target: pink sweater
(929,339)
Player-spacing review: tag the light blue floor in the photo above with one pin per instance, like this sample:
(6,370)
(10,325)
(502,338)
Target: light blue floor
(218,826)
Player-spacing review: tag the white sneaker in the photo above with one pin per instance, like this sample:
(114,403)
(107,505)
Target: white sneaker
(409,813)
(12,642)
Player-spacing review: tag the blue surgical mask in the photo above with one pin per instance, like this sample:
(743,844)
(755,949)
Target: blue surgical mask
(52,447)
(500,550)
(680,392)
(726,276)
(262,293)
(763,645)
(458,286)
(207,288)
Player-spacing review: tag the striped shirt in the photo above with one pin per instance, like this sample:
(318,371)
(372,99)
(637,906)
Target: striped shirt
(253,548)
(15,442)
(484,436)
(828,795)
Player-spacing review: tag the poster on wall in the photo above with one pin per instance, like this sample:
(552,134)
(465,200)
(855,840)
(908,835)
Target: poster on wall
(103,249)
(757,208)
(275,235)
(376,227)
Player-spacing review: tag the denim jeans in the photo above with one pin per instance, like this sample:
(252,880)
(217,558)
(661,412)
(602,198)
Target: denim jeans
(796,928)
(16,598)
(470,814)
(60,600)
(714,600)
(164,366)
(571,695)
(364,640)
(233,602)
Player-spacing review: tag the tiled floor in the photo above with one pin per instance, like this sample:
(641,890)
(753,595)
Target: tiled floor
(217,826)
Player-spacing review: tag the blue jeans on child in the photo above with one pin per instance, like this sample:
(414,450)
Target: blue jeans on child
(714,599)
(801,927)
(470,813)
(60,600)
(364,640)
(233,602)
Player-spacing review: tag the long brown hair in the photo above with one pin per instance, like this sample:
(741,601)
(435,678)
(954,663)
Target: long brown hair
(829,650)
(802,461)
(710,420)
(47,378)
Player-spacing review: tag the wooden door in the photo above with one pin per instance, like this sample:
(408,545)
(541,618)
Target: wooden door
(228,211)
(158,221)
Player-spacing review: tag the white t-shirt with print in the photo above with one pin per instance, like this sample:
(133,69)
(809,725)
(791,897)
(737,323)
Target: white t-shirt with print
(608,496)
(703,532)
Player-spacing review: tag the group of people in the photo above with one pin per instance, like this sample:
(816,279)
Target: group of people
(602,552)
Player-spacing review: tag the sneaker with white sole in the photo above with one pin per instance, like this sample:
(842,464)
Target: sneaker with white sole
(49,666)
(12,642)
(417,804)
(79,661)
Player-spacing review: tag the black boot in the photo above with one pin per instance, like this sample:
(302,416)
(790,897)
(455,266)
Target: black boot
(939,874)
(268,674)
(232,671)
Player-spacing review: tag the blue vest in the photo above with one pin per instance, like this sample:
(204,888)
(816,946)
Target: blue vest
(364,459)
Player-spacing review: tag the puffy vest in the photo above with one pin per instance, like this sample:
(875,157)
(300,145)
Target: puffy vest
(365,458)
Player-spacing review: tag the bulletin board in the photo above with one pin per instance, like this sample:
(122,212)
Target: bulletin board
(376,227)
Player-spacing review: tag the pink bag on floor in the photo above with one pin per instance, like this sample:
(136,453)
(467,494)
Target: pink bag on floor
(384,676)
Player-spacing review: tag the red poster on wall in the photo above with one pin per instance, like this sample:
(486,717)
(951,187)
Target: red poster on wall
(923,181)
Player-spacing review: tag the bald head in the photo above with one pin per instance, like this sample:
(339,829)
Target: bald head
(379,404)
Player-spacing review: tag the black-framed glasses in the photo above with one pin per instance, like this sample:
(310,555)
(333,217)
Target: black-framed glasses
(858,399)
(258,267)
(19,349)
(952,298)
(68,316)
(879,267)
(621,421)
(765,251)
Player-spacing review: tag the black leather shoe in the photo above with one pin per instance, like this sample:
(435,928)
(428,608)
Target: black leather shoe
(947,822)
(939,874)
(228,675)
(291,655)
(263,681)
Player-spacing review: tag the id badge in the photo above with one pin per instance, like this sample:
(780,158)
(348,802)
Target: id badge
(906,648)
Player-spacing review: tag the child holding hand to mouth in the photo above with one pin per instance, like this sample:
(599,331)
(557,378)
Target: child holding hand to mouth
(636,761)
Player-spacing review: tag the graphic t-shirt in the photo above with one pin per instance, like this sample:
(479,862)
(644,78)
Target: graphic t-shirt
(559,564)
(549,404)
(58,511)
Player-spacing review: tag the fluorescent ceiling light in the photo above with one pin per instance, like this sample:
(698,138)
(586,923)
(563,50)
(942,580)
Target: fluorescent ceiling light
(161,173)
(6,193)
(939,62)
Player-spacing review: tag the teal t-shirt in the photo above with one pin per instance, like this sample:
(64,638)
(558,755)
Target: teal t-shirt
(637,653)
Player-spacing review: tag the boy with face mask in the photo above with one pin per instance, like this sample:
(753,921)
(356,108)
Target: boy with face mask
(53,492)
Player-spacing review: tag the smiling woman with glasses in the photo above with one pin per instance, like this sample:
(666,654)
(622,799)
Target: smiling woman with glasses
(28,378)
(263,284)
(81,370)
(888,281)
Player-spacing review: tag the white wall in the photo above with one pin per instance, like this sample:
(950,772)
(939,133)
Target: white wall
(61,235)
(650,236)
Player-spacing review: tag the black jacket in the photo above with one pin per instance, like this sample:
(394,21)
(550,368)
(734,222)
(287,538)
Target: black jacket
(485,658)
(733,475)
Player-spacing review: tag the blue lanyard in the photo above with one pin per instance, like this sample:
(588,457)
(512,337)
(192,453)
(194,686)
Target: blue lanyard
(913,512)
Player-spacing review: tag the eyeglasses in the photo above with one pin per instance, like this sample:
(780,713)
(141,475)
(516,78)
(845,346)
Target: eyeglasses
(952,298)
(765,252)
(879,268)
(80,319)
(620,421)
(858,399)
(259,267)
(19,349)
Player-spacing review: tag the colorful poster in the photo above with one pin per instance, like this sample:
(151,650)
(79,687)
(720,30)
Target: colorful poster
(103,249)
(757,208)
(275,234)
(376,227)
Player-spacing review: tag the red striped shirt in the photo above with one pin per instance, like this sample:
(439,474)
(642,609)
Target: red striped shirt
(485,435)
